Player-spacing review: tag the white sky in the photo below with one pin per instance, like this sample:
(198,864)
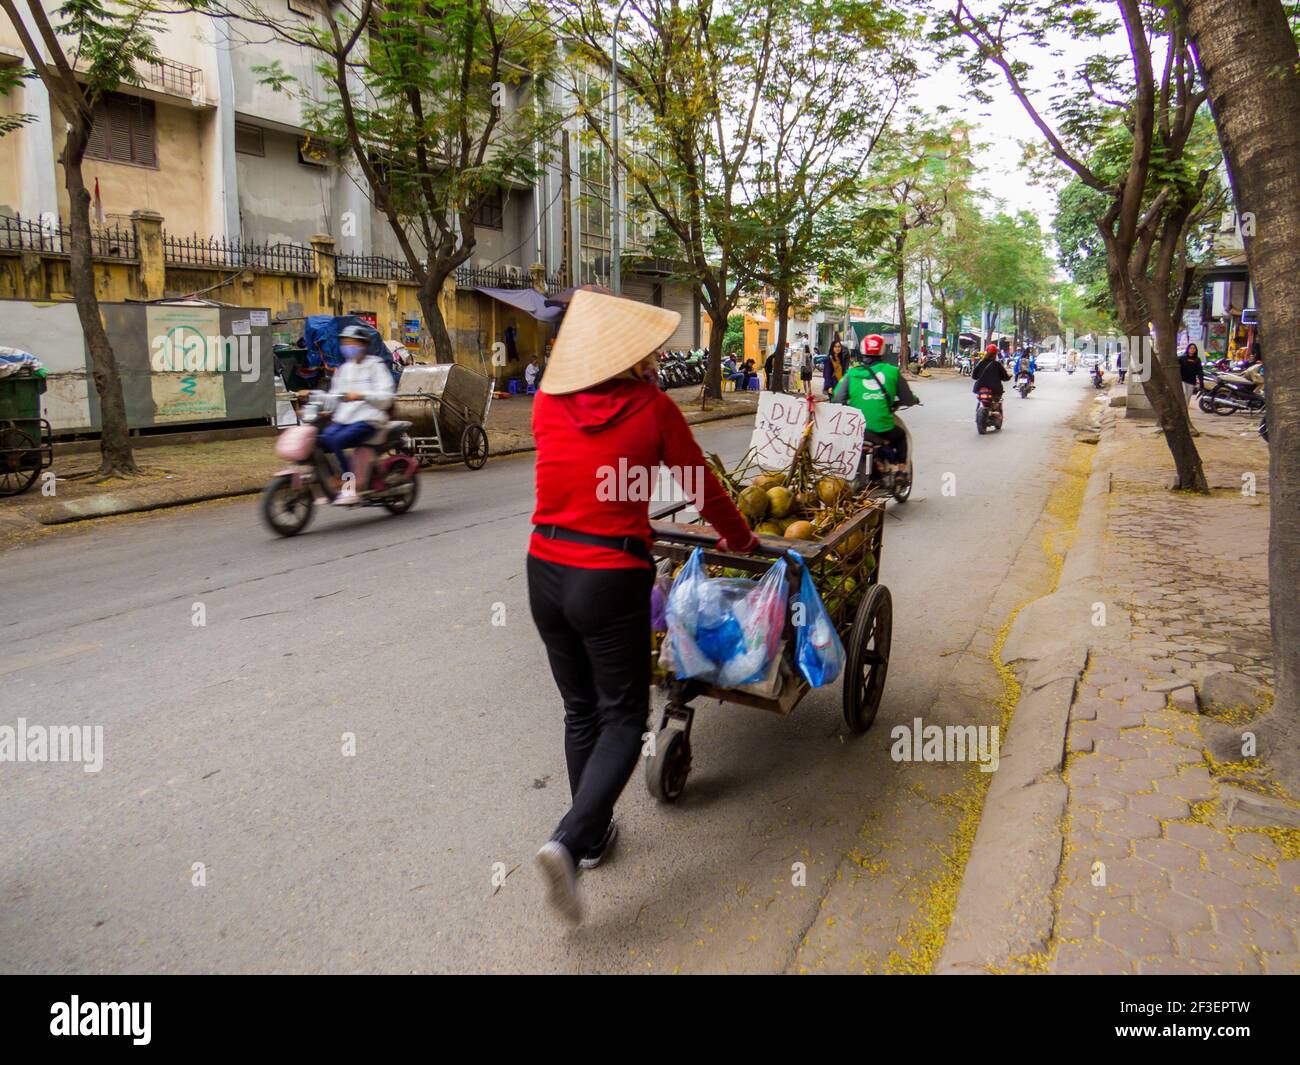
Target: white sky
(1003,124)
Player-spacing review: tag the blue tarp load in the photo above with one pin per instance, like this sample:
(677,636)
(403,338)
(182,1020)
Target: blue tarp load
(321,333)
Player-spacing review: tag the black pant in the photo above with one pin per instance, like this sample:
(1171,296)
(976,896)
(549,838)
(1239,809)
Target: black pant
(596,627)
(895,438)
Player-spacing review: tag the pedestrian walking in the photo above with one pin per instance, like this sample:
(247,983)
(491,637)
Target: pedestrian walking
(600,421)
(833,368)
(1192,372)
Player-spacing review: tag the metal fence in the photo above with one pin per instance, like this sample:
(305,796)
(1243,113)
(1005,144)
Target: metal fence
(373,268)
(236,255)
(492,277)
(48,235)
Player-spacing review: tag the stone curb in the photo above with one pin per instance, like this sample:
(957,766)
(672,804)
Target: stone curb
(1005,908)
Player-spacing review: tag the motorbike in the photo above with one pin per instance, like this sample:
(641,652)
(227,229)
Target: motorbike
(965,365)
(988,411)
(289,499)
(884,469)
(1231,395)
(1024,384)
(1098,377)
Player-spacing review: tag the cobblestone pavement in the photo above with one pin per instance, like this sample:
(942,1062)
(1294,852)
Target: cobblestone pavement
(1175,861)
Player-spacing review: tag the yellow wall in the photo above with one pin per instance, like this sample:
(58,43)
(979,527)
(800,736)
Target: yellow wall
(178,188)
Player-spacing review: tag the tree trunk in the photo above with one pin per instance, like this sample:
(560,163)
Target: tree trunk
(114,439)
(443,351)
(778,365)
(717,333)
(1249,63)
(900,282)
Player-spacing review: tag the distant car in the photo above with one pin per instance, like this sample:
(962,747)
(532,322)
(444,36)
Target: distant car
(1049,360)
(1089,359)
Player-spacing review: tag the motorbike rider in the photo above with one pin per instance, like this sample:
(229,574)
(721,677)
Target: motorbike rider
(877,389)
(365,387)
(990,373)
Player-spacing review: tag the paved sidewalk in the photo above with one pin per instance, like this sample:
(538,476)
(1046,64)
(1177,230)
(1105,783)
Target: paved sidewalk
(1175,860)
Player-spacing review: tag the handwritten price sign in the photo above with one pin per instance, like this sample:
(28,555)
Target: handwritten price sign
(778,428)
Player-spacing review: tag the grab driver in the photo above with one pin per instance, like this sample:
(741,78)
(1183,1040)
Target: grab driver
(877,389)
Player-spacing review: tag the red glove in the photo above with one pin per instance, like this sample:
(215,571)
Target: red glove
(740,549)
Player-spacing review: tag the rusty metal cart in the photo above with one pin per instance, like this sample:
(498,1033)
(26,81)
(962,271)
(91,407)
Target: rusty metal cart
(447,407)
(862,613)
(26,440)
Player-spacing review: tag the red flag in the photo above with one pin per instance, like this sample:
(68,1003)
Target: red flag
(99,205)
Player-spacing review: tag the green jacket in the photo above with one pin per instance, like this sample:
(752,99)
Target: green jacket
(874,390)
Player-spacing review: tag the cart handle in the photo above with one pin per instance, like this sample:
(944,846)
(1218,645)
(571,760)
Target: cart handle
(707,537)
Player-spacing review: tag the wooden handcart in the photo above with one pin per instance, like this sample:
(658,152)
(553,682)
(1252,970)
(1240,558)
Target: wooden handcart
(845,566)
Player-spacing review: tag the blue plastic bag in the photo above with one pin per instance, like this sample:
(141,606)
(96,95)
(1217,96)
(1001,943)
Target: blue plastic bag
(723,630)
(818,650)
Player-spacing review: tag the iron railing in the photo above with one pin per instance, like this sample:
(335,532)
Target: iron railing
(55,237)
(492,277)
(373,268)
(236,255)
(172,77)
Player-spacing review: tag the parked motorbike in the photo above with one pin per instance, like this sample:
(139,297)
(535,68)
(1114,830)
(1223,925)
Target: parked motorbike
(988,411)
(1024,384)
(1098,377)
(1231,395)
(289,499)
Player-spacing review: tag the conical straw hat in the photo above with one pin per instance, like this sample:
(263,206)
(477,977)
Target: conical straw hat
(601,337)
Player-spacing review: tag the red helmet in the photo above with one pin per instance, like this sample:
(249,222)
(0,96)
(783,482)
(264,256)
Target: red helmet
(992,349)
(873,344)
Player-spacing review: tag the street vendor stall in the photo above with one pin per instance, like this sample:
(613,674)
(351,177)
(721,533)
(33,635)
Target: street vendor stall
(805,609)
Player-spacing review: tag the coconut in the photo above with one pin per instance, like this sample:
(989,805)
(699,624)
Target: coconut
(769,480)
(780,501)
(753,503)
(806,501)
(769,528)
(830,488)
(800,530)
(852,543)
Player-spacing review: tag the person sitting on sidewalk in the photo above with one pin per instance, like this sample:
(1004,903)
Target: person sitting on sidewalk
(530,374)
(366,387)
(731,372)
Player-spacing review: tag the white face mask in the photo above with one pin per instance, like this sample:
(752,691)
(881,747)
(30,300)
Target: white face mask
(352,351)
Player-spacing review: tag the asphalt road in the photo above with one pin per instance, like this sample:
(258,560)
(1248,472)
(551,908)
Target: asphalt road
(232,829)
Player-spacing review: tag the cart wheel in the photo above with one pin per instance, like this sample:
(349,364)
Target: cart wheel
(864,673)
(474,446)
(20,461)
(667,769)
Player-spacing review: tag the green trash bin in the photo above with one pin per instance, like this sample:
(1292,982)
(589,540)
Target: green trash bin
(25,444)
(20,397)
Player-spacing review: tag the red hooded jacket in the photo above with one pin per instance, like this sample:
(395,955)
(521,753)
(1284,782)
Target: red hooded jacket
(598,454)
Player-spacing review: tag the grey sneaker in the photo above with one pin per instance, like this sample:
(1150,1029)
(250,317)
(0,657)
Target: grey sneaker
(556,864)
(597,853)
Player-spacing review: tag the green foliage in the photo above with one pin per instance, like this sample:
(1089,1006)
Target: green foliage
(110,40)
(733,341)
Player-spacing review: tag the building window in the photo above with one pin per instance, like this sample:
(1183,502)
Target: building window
(249,140)
(491,212)
(123,131)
